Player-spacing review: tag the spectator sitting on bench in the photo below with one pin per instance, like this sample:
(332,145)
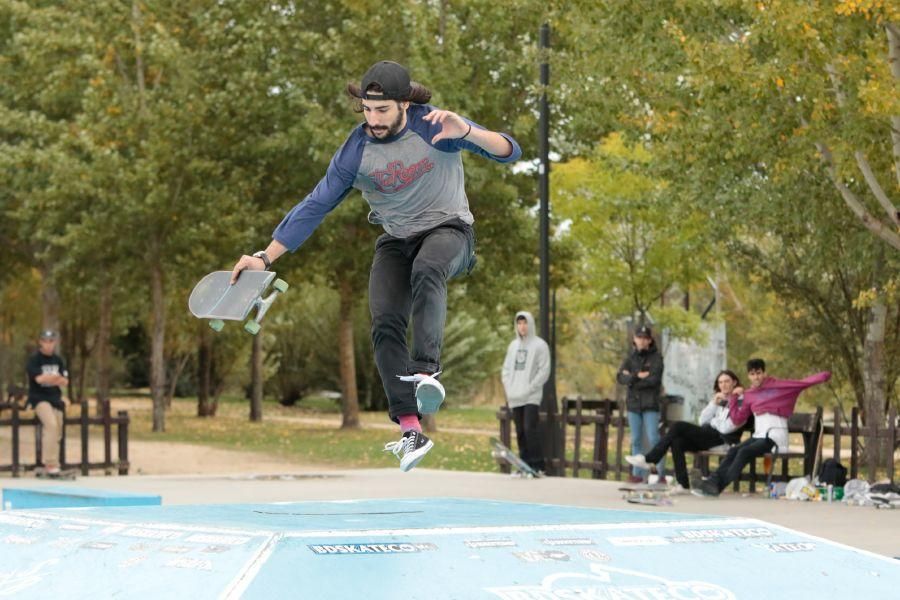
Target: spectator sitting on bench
(716,429)
(46,376)
(771,401)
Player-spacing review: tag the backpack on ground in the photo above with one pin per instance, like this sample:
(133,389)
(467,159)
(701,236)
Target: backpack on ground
(833,473)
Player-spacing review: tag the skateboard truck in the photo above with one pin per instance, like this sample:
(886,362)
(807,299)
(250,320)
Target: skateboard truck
(262,307)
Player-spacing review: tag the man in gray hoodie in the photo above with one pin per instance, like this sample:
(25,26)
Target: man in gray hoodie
(525,371)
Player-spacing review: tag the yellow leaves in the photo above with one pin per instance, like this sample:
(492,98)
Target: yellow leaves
(779,82)
(114,110)
(96,81)
(865,299)
(614,145)
(879,10)
(880,97)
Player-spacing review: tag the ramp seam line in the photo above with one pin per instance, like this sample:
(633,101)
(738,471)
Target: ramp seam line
(239,584)
(332,533)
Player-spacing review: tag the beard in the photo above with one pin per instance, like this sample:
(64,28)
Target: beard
(394,128)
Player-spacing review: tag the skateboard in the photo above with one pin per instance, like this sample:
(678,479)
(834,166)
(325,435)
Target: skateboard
(67,475)
(214,298)
(656,494)
(502,454)
(885,500)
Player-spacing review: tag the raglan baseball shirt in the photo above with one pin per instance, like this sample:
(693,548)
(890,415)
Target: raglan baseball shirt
(411,185)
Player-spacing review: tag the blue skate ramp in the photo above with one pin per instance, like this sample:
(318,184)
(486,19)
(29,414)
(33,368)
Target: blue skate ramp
(62,496)
(422,548)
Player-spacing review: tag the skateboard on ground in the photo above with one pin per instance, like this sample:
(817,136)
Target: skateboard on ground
(656,494)
(65,474)
(214,298)
(502,454)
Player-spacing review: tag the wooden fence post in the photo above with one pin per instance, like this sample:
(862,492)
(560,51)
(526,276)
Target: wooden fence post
(123,442)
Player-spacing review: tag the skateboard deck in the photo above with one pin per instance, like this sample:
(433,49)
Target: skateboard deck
(654,494)
(68,475)
(214,298)
(503,454)
(644,487)
(649,499)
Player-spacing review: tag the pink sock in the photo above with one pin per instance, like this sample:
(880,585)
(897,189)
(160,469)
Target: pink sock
(410,423)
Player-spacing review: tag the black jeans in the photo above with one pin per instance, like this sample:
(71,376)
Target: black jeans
(739,457)
(684,437)
(409,277)
(528,435)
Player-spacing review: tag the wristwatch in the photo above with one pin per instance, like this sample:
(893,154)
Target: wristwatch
(265,258)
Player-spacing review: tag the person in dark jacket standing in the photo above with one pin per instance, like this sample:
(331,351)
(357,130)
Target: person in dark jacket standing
(641,372)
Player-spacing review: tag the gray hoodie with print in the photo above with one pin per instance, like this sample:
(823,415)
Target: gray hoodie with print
(526,367)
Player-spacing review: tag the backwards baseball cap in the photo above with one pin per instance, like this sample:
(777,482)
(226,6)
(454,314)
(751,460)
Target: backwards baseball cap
(643,331)
(49,334)
(391,77)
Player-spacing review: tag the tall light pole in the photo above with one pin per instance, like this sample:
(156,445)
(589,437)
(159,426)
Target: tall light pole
(549,400)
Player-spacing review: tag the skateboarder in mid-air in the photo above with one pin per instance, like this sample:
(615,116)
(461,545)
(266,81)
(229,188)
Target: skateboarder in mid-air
(405,159)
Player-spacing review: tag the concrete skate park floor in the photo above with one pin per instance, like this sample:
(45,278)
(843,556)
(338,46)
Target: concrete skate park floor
(860,527)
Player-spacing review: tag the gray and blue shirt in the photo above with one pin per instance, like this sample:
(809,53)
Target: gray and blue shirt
(411,184)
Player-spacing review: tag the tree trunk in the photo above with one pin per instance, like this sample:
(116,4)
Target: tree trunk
(104,337)
(66,347)
(875,388)
(84,353)
(175,376)
(893,34)
(49,300)
(256,376)
(429,423)
(349,392)
(157,347)
(204,366)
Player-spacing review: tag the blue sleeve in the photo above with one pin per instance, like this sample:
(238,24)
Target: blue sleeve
(303,219)
(428,130)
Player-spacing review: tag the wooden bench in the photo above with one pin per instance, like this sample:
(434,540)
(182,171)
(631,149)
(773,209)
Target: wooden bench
(22,417)
(807,425)
(575,413)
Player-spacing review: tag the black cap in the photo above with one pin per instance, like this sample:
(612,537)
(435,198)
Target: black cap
(643,331)
(393,79)
(49,334)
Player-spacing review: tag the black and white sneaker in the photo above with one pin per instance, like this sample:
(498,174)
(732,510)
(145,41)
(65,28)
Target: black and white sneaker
(410,449)
(706,489)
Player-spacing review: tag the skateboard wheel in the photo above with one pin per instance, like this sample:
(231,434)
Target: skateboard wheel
(281,285)
(217,324)
(252,327)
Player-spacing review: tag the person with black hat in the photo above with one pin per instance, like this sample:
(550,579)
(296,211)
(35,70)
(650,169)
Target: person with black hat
(405,159)
(641,372)
(46,376)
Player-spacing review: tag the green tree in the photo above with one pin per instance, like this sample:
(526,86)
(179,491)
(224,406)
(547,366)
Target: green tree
(774,117)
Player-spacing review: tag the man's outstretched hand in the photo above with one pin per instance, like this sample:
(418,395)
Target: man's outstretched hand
(452,125)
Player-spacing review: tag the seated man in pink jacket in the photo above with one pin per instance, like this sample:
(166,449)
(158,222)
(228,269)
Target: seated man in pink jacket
(771,401)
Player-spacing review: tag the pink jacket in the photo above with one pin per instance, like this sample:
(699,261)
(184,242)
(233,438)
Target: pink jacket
(774,396)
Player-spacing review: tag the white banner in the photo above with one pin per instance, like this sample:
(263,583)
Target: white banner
(691,369)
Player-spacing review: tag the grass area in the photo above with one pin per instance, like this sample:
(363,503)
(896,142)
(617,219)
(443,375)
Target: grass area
(320,444)
(460,443)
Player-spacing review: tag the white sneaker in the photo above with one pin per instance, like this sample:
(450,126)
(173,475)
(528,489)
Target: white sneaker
(410,449)
(638,461)
(429,392)
(677,490)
